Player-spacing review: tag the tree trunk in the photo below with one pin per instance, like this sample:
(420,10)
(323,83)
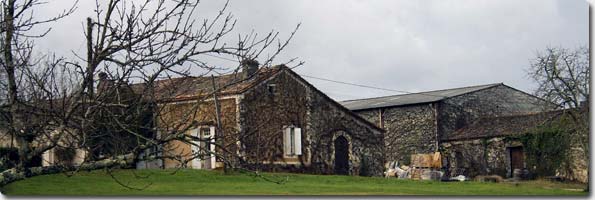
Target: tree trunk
(16,131)
(14,174)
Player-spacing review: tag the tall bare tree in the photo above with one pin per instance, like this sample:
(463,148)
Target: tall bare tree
(131,44)
(19,67)
(563,77)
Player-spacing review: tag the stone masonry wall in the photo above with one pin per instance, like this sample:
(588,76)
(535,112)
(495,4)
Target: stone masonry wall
(264,111)
(477,157)
(409,130)
(287,99)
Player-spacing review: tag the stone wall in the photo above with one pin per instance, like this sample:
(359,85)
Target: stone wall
(329,120)
(491,156)
(477,157)
(265,110)
(409,130)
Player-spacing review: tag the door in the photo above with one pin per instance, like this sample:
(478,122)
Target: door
(208,146)
(205,148)
(341,156)
(516,158)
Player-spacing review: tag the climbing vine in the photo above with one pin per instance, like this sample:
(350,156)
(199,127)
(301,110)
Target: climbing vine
(547,148)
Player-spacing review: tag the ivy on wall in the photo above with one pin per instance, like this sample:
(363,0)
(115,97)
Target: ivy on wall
(547,148)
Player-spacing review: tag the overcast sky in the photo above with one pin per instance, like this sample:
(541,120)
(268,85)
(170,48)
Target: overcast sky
(409,45)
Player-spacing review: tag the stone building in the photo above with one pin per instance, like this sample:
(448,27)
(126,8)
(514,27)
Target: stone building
(420,122)
(272,119)
(493,146)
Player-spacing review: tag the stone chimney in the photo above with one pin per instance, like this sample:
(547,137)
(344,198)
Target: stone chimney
(249,68)
(104,82)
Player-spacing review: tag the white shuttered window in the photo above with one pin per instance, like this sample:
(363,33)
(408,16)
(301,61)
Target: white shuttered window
(292,141)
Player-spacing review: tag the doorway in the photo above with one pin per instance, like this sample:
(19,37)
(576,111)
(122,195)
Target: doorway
(341,156)
(516,158)
(204,149)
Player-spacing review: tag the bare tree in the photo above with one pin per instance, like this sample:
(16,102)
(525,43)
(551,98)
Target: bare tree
(563,78)
(19,67)
(132,46)
(562,75)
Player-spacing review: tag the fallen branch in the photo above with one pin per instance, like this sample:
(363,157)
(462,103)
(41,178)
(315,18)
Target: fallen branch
(12,175)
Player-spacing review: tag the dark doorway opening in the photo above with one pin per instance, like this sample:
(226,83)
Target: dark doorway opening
(341,156)
(516,159)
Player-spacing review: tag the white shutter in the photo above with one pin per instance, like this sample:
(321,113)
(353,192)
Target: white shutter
(195,149)
(286,141)
(212,147)
(298,141)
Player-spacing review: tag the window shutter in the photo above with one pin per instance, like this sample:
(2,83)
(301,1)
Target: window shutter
(286,141)
(212,148)
(298,141)
(195,149)
(212,131)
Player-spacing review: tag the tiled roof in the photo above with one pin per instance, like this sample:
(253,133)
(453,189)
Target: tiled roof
(503,125)
(414,98)
(188,88)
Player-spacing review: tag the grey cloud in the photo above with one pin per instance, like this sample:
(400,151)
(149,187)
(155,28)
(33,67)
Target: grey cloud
(406,45)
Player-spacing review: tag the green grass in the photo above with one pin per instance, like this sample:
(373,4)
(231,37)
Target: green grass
(198,182)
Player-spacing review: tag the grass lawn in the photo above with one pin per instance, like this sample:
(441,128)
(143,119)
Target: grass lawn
(198,182)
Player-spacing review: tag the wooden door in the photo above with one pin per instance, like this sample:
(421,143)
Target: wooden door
(516,158)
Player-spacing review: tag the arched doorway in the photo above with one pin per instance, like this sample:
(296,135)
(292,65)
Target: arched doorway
(341,156)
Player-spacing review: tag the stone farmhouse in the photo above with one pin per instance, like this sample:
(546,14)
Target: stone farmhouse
(428,122)
(272,120)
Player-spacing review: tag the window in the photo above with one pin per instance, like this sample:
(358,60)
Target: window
(205,132)
(272,88)
(292,141)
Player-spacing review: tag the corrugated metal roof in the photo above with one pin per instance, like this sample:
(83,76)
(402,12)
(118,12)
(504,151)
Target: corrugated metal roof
(414,98)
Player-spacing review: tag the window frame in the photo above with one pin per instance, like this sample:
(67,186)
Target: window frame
(291,135)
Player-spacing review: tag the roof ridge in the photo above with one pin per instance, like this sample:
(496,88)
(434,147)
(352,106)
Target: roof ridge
(260,69)
(492,84)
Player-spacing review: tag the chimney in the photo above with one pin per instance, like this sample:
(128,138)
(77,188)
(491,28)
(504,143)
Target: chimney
(249,67)
(104,82)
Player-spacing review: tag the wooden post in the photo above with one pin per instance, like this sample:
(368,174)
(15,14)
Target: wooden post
(219,129)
